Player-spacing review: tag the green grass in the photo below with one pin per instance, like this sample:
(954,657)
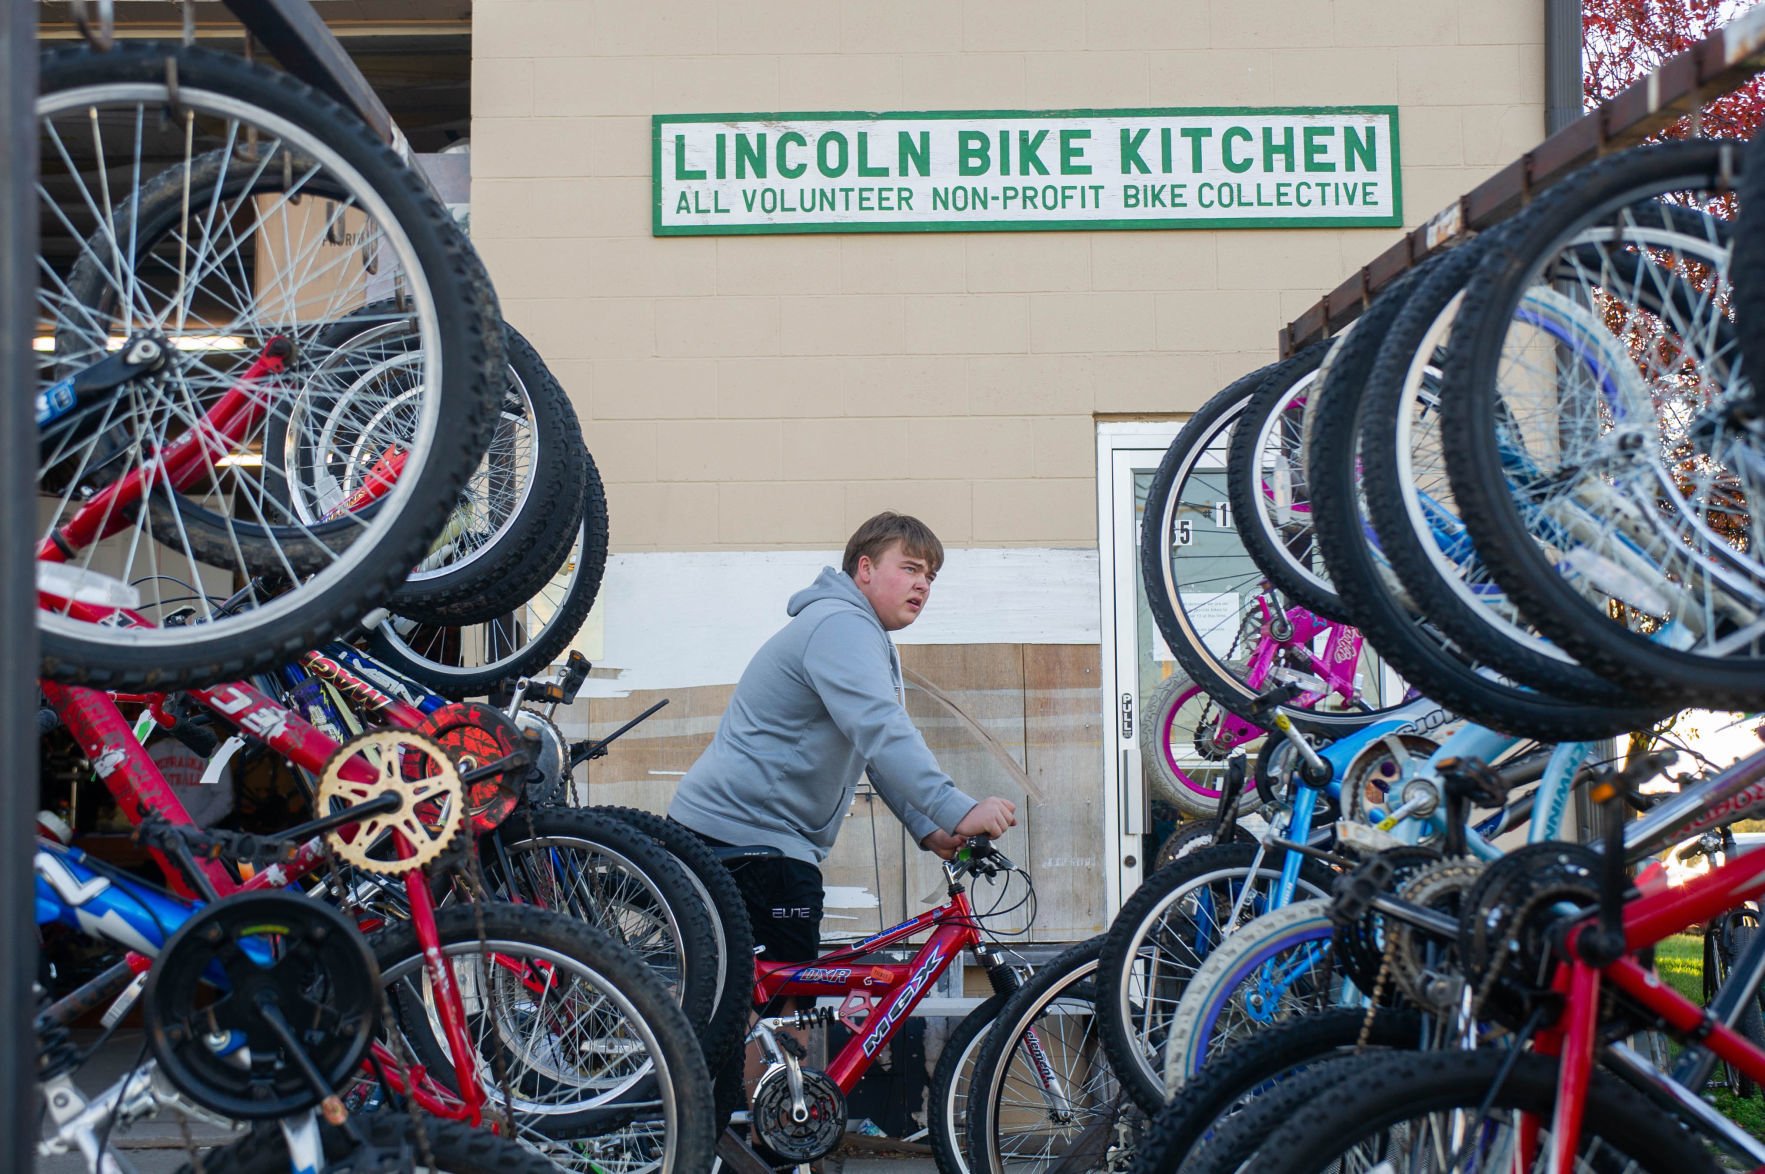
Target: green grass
(1680,960)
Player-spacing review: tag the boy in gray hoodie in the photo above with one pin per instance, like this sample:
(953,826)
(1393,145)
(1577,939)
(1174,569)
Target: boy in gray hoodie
(819,703)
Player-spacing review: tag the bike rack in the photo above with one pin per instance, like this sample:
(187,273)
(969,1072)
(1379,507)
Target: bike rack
(18,652)
(1722,62)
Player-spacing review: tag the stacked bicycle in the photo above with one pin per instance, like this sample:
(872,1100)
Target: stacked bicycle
(1514,499)
(300,491)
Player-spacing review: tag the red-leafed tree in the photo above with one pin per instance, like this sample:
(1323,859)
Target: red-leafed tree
(1623,41)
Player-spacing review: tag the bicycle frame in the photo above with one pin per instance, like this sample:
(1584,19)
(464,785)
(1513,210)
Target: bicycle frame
(131,776)
(887,991)
(1646,921)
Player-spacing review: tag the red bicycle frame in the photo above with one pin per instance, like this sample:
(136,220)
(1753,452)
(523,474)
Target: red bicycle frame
(887,992)
(1646,920)
(140,790)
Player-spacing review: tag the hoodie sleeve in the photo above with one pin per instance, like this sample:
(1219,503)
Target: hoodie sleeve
(846,661)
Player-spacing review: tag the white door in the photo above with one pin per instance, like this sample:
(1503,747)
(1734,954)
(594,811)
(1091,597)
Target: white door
(1134,656)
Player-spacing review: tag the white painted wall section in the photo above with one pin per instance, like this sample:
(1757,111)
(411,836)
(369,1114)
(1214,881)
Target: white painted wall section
(673,620)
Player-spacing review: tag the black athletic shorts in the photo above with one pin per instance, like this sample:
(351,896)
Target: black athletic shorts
(784,902)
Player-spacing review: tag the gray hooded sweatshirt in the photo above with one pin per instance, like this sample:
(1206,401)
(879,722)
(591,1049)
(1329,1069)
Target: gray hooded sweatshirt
(819,702)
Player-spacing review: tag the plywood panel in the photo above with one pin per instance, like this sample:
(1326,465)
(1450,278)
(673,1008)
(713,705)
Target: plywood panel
(1063,718)
(986,682)
(644,766)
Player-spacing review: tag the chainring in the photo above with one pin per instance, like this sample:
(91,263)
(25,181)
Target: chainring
(476,735)
(416,770)
(1425,969)
(1505,933)
(799,1141)
(309,966)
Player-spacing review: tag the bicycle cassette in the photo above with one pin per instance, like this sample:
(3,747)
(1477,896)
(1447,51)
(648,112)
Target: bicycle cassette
(812,1135)
(392,762)
(1425,968)
(295,1015)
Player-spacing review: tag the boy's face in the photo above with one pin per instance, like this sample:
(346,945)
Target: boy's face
(897,585)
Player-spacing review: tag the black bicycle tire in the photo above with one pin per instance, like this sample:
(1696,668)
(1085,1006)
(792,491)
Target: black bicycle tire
(1749,261)
(1595,711)
(610,839)
(1403,1084)
(398,952)
(1388,500)
(1070,974)
(1258,1060)
(515,566)
(1244,482)
(456,1147)
(729,910)
(1202,666)
(948,1134)
(467,328)
(1469,403)
(540,649)
(1118,951)
(1236,1141)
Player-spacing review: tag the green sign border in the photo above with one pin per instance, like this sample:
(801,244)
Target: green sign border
(1395,220)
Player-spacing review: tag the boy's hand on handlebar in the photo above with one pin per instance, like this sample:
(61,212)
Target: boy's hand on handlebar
(943,843)
(990,817)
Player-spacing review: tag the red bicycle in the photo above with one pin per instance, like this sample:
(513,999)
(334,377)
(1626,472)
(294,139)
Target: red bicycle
(799,1112)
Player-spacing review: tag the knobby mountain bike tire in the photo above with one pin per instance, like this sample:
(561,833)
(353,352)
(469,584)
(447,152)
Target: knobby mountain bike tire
(1270,493)
(1398,1100)
(952,1080)
(1611,497)
(1203,588)
(596,1055)
(212,295)
(1014,1124)
(1364,561)
(588,865)
(732,931)
(471,659)
(1242,1073)
(454,1146)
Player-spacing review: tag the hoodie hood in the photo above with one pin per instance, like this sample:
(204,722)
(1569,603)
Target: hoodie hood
(836,585)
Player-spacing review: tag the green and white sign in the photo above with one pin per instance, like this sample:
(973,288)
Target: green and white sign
(1012,170)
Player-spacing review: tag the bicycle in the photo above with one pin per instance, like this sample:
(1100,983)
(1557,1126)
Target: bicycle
(800,1113)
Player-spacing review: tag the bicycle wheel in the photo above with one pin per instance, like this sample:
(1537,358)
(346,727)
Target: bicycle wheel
(1235,1143)
(1599,469)
(469,660)
(1163,935)
(172,342)
(1279,967)
(595,1055)
(952,1079)
(1408,630)
(1726,939)
(1269,491)
(1179,743)
(590,867)
(1043,1089)
(730,928)
(453,1147)
(514,513)
(1241,1074)
(1442,1111)
(1233,636)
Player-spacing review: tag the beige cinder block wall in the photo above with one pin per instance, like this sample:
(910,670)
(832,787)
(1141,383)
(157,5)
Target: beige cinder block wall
(750,399)
(757,392)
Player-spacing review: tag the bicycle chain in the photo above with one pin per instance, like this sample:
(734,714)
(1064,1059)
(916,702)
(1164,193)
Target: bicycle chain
(1441,887)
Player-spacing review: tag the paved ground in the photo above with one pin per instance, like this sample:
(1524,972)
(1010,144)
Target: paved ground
(158,1146)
